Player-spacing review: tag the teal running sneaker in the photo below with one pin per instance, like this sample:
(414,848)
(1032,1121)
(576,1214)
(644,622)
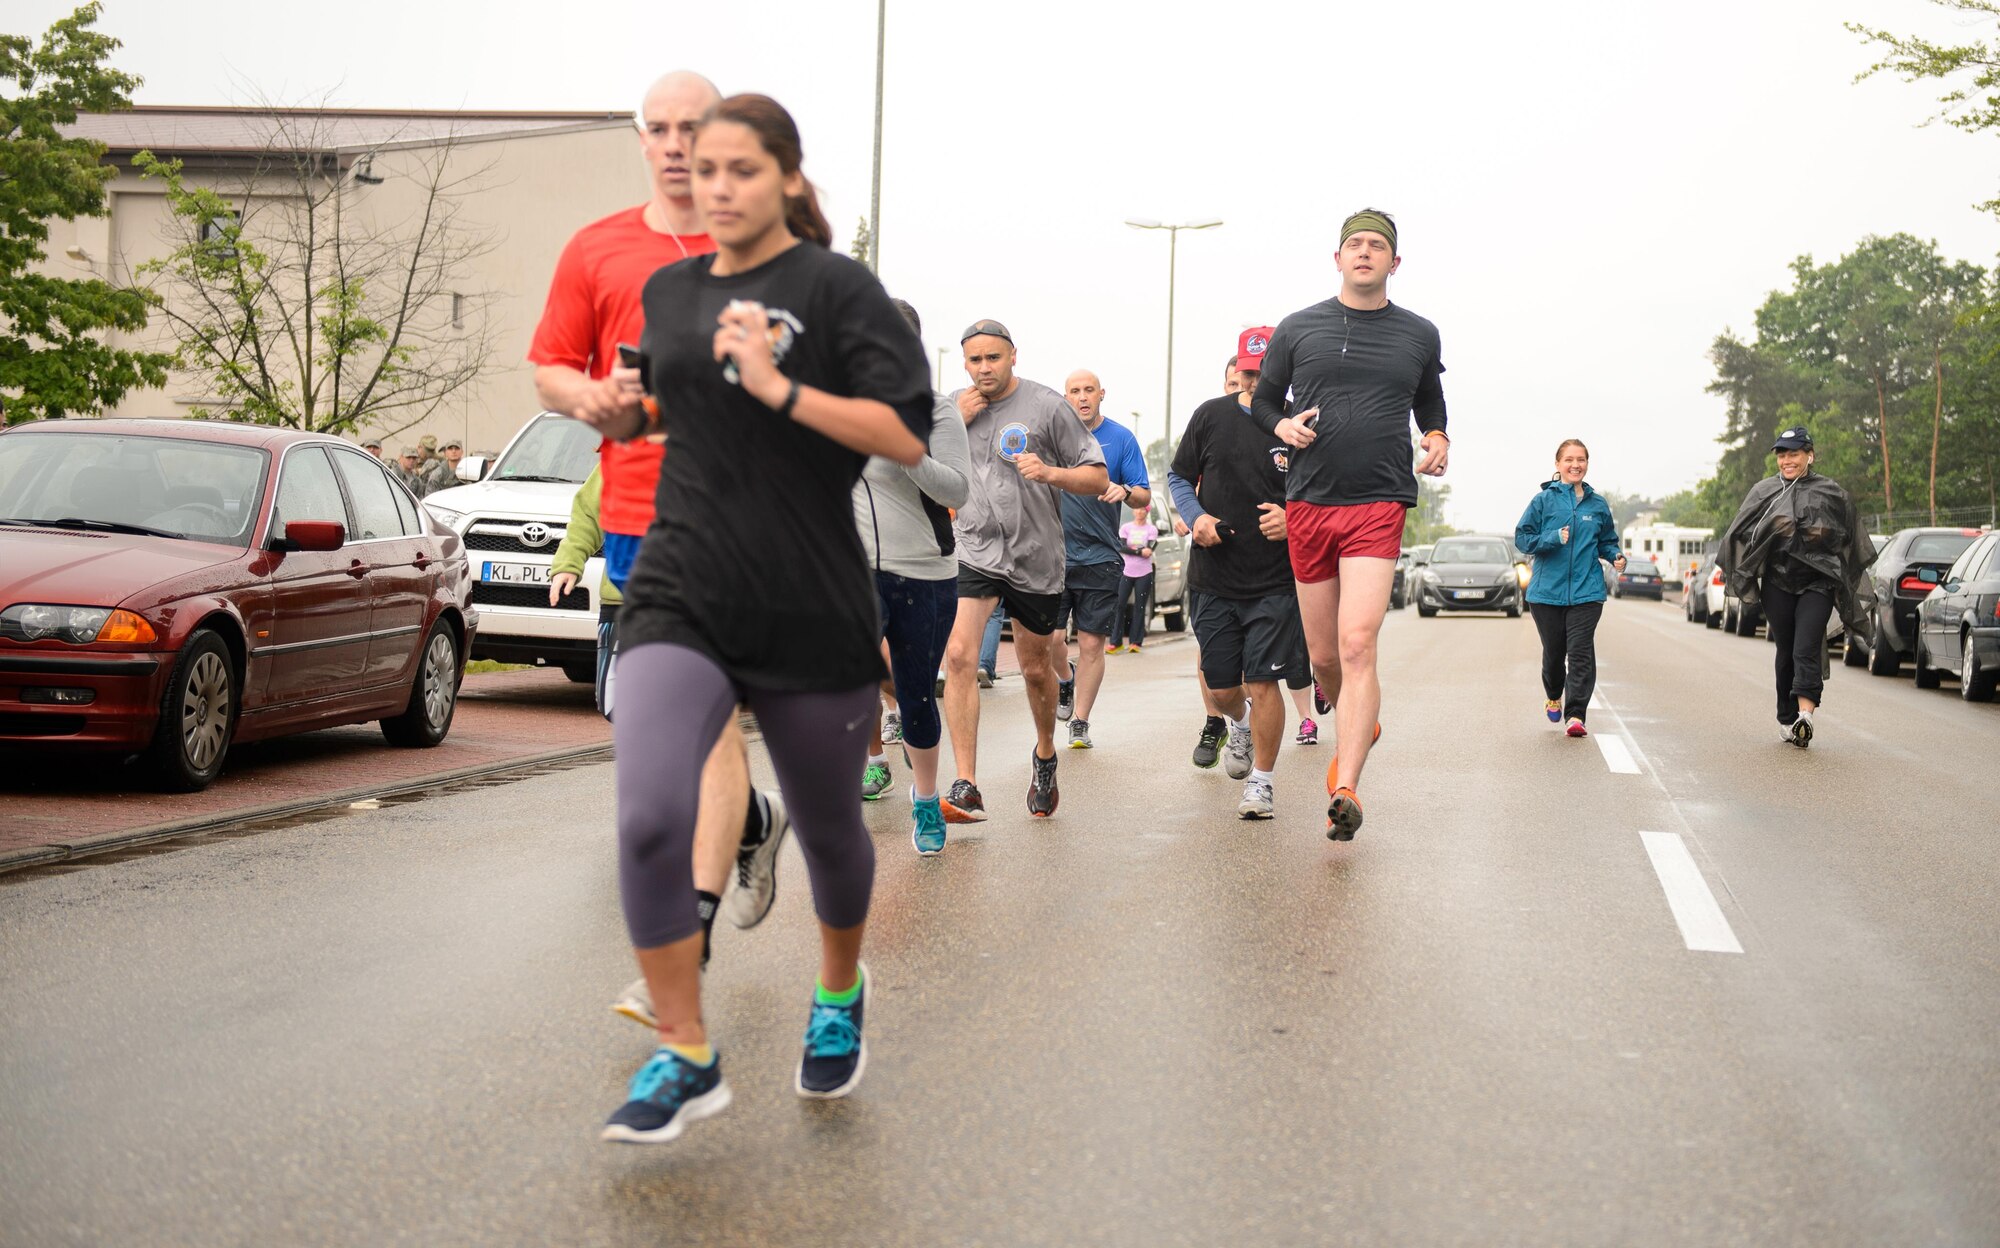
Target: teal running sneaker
(668,1093)
(835,1054)
(927,831)
(875,782)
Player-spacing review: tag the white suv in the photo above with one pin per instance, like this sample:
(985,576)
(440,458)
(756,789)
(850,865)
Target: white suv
(512,517)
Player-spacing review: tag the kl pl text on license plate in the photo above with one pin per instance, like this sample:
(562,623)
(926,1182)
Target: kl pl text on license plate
(515,573)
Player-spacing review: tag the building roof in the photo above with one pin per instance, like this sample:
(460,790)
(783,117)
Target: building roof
(173,129)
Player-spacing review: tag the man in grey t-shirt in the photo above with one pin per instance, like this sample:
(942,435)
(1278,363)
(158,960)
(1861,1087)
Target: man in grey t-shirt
(1027,448)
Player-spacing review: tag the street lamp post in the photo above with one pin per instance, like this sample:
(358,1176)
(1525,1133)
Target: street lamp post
(1173,245)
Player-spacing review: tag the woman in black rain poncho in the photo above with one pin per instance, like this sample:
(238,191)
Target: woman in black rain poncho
(1796,548)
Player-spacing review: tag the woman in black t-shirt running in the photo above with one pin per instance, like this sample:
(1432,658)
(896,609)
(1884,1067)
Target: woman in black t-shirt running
(779,368)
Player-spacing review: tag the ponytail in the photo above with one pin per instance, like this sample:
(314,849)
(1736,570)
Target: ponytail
(804,219)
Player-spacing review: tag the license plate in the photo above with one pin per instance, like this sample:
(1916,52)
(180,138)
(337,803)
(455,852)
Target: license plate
(1468,593)
(515,573)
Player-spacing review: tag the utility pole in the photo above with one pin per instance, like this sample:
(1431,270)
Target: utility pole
(875,186)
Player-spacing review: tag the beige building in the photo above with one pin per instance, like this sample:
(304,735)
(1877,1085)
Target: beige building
(526,182)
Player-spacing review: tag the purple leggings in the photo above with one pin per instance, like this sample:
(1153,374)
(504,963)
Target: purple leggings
(672,705)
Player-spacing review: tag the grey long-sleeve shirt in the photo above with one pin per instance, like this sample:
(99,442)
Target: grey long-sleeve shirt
(900,533)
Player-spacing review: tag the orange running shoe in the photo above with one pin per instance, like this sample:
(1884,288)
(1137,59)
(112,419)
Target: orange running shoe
(1343,815)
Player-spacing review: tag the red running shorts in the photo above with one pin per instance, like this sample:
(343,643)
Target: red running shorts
(1320,536)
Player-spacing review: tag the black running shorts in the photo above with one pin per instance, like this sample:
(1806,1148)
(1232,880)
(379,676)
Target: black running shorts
(1034,613)
(1090,596)
(1251,641)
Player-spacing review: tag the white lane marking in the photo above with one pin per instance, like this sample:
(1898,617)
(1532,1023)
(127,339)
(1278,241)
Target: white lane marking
(1595,705)
(1617,755)
(1695,911)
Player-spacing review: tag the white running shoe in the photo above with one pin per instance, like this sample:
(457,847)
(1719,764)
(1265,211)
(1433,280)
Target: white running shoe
(753,886)
(1237,754)
(636,1003)
(1256,803)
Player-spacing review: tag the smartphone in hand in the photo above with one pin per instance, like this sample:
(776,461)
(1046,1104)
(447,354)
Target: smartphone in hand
(630,356)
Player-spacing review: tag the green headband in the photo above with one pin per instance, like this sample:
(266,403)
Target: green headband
(1369,220)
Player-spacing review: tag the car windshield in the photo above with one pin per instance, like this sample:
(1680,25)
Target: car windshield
(1940,547)
(121,483)
(1469,552)
(1641,567)
(555,448)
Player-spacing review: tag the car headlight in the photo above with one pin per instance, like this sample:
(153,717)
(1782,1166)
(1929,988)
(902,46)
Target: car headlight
(445,515)
(1430,577)
(36,621)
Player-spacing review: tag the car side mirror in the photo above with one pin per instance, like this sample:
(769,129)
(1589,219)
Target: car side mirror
(322,535)
(472,468)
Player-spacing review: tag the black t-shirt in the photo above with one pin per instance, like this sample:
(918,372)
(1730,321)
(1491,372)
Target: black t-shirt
(753,558)
(1234,466)
(1366,372)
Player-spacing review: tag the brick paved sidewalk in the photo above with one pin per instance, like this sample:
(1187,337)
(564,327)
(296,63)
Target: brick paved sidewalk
(50,807)
(53,808)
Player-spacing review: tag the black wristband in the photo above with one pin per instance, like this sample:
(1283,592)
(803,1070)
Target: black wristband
(791,400)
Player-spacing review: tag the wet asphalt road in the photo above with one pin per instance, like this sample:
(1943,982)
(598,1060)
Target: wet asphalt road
(1143,1022)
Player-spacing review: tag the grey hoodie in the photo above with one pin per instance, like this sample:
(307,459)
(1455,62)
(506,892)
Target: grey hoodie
(899,533)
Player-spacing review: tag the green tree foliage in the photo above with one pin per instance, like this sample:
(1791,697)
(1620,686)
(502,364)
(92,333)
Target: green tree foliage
(1970,71)
(1874,353)
(1425,523)
(863,245)
(52,362)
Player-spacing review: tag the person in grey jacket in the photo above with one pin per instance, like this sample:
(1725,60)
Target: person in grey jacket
(904,516)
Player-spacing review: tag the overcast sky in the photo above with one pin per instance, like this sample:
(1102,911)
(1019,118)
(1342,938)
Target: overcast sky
(1587,192)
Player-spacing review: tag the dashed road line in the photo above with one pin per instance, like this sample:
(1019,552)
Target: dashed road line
(1696,913)
(1617,755)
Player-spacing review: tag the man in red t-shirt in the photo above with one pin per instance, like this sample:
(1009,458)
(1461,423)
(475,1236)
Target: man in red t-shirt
(593,306)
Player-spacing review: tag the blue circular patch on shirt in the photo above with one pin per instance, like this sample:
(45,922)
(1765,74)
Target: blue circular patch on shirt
(1013,441)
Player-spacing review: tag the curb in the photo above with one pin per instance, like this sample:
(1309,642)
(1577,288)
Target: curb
(47,855)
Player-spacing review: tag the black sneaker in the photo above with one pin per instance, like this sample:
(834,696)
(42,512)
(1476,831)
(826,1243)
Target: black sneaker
(1066,694)
(1321,706)
(963,803)
(1209,747)
(668,1093)
(835,1054)
(1042,794)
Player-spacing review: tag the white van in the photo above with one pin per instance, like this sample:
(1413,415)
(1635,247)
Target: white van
(1676,549)
(512,518)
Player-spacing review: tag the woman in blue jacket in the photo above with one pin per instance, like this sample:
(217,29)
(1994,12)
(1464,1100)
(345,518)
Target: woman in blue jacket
(1566,530)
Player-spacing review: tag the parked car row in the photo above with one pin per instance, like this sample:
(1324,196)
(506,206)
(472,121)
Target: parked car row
(171,588)
(1937,607)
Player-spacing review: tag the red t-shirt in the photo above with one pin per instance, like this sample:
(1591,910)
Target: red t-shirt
(593,306)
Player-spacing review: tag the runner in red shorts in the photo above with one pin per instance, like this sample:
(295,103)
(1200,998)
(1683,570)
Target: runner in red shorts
(1356,367)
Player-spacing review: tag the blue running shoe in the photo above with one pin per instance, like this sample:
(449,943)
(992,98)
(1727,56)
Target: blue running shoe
(835,1053)
(927,831)
(668,1093)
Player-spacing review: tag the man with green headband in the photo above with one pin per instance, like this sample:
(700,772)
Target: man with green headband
(1356,368)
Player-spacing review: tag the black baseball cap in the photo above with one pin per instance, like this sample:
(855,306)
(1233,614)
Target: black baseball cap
(994,328)
(1794,439)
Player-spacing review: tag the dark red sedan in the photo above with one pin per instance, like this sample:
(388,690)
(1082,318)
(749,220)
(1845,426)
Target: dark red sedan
(169,587)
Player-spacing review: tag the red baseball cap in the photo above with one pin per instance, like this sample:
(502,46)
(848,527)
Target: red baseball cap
(1250,347)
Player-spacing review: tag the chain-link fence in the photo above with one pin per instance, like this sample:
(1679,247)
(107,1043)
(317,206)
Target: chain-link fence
(1955,517)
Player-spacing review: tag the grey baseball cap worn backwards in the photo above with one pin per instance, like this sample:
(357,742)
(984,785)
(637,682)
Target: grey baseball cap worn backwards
(1793,439)
(993,328)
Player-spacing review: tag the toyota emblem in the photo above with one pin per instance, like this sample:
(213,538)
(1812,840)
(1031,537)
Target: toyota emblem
(534,535)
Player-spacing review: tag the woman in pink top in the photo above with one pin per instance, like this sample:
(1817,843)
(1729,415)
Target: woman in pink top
(1136,587)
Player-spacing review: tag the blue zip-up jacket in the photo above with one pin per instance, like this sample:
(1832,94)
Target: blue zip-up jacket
(1567,573)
